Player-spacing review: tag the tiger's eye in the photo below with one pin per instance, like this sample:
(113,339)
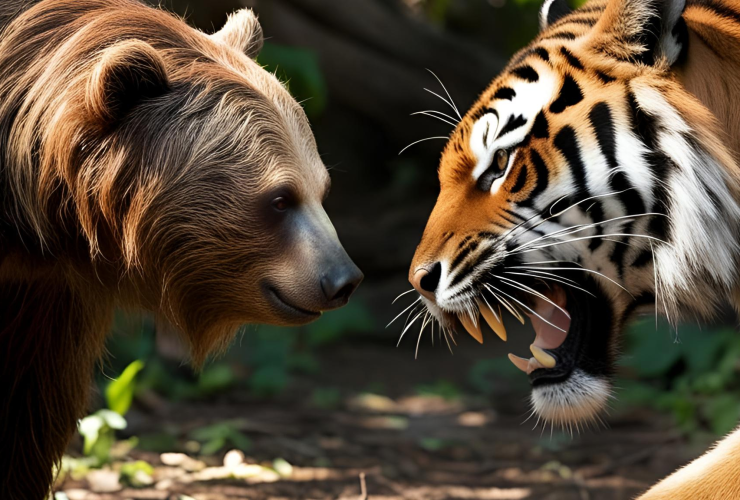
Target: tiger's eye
(502,159)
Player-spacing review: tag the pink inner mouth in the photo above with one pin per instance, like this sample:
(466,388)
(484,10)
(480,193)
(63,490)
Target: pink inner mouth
(551,325)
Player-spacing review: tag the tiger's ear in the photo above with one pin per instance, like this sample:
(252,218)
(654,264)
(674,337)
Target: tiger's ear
(126,74)
(552,11)
(243,32)
(644,31)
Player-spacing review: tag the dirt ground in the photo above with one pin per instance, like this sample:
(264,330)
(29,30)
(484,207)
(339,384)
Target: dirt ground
(402,445)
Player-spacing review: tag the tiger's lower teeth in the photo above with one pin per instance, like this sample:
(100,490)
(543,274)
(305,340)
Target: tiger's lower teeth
(525,365)
(544,358)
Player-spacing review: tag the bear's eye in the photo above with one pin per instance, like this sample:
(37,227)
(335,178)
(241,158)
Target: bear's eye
(280,204)
(495,171)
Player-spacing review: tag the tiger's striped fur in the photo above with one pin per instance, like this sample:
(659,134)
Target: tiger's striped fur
(607,146)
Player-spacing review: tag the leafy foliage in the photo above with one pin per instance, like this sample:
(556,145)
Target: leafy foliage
(120,392)
(691,373)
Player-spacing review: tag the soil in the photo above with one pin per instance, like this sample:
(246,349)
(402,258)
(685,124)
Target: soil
(402,445)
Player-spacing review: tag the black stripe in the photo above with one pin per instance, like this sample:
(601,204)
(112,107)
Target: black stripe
(570,95)
(645,127)
(606,135)
(721,10)
(604,77)
(644,299)
(460,257)
(572,60)
(541,53)
(567,142)
(540,128)
(526,73)
(512,124)
(542,178)
(470,266)
(483,112)
(596,213)
(644,258)
(562,35)
(513,214)
(506,93)
(521,179)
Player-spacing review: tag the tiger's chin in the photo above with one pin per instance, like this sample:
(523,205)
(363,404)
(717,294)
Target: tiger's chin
(571,361)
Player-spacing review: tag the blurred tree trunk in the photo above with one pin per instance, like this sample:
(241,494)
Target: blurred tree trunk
(374,56)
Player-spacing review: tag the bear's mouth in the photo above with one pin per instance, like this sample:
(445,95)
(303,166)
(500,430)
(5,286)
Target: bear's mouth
(287,308)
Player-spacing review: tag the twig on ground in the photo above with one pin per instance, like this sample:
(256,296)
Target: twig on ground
(363,487)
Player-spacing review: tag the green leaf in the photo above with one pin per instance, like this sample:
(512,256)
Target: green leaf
(723,413)
(213,446)
(215,379)
(239,440)
(89,427)
(652,352)
(112,419)
(120,393)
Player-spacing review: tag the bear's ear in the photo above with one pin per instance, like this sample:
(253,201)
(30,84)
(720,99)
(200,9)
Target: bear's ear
(643,31)
(243,32)
(552,11)
(126,74)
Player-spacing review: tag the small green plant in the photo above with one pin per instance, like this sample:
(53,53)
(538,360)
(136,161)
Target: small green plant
(214,438)
(691,373)
(99,429)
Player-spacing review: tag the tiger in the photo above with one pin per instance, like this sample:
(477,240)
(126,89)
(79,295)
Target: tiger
(596,179)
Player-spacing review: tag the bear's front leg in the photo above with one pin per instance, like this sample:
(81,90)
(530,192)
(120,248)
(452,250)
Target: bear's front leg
(713,476)
(50,337)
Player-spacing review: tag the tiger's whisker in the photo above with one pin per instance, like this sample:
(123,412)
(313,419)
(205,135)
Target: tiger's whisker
(548,276)
(576,269)
(528,309)
(531,291)
(451,102)
(422,140)
(583,227)
(421,332)
(401,313)
(409,326)
(404,293)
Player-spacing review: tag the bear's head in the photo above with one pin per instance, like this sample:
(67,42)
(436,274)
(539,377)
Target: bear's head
(188,169)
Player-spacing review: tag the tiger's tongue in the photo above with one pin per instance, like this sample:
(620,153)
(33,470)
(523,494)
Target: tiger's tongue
(550,334)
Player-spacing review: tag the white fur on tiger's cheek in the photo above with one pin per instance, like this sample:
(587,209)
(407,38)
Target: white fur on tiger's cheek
(481,142)
(579,399)
(530,99)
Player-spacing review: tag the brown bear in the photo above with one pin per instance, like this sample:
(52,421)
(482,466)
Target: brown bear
(143,164)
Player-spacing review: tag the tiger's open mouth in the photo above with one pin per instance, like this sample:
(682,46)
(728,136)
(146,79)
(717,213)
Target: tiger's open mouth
(571,355)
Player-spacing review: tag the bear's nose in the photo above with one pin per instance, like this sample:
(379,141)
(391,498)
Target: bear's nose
(340,282)
(426,281)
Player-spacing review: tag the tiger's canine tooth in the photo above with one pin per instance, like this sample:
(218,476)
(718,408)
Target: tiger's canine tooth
(493,321)
(473,327)
(544,358)
(520,363)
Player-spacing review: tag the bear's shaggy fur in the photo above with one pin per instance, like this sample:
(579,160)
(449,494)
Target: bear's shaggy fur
(138,158)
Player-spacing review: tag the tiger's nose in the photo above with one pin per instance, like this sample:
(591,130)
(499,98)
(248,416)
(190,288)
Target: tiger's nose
(426,280)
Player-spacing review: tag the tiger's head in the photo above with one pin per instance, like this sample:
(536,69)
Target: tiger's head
(585,185)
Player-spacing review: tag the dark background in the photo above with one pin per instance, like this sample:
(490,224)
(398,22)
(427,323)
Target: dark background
(338,398)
